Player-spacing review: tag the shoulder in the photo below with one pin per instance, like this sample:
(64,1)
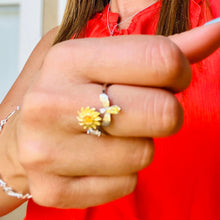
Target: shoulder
(45,43)
(40,51)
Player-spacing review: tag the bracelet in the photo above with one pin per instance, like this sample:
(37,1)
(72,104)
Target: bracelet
(3,185)
(11,192)
(4,121)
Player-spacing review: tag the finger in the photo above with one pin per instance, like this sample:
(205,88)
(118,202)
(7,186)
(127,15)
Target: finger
(137,60)
(65,151)
(146,112)
(102,156)
(79,192)
(198,43)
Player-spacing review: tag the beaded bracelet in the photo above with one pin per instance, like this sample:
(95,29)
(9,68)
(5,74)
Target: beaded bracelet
(3,185)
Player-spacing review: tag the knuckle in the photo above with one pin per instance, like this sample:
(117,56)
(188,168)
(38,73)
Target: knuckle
(34,151)
(172,67)
(40,109)
(34,107)
(48,197)
(44,122)
(61,55)
(130,184)
(144,154)
(170,64)
(172,115)
(147,154)
(35,157)
(55,53)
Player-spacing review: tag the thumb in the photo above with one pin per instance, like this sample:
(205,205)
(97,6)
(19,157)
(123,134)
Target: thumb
(200,42)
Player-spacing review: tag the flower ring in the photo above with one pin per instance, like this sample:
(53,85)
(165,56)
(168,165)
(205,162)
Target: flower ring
(91,119)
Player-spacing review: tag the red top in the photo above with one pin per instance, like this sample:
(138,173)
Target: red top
(183,182)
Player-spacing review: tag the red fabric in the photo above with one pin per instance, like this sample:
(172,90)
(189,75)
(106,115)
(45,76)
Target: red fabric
(215,7)
(183,182)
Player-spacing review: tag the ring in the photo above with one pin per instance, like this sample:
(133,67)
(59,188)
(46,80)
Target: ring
(92,120)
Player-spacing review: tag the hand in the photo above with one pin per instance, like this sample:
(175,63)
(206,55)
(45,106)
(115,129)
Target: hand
(70,169)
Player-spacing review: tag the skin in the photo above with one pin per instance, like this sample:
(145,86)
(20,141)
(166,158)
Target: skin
(128,8)
(43,145)
(13,172)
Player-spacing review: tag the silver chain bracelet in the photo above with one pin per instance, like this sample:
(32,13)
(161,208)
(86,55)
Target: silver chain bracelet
(4,121)
(11,192)
(3,185)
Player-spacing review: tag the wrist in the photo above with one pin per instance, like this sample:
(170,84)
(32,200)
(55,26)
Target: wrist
(11,170)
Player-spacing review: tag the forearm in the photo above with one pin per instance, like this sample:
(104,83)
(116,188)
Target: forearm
(11,170)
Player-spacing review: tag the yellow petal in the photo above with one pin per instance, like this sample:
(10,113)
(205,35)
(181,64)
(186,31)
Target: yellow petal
(113,109)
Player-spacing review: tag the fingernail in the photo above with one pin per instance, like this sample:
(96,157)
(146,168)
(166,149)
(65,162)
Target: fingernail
(213,21)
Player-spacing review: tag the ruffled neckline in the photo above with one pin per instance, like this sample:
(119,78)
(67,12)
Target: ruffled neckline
(113,18)
(145,22)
